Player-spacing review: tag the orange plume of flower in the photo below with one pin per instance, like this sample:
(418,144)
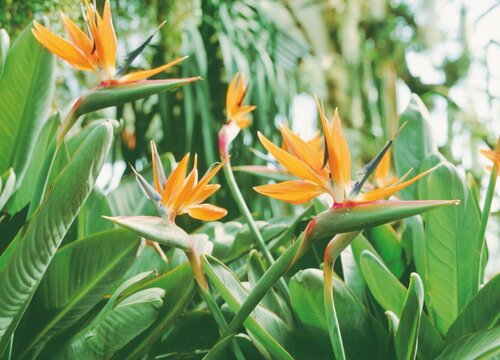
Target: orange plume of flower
(317,173)
(94,51)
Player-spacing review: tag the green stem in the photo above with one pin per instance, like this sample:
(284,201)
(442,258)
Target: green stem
(275,271)
(490,191)
(332,252)
(242,206)
(331,313)
(194,260)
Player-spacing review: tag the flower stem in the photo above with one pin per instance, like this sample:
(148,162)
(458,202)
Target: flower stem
(332,251)
(242,206)
(194,260)
(331,313)
(490,191)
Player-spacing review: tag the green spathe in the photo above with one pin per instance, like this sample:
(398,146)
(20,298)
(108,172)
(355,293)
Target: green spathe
(108,95)
(155,228)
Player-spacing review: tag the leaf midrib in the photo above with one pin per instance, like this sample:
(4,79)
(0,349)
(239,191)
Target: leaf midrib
(73,302)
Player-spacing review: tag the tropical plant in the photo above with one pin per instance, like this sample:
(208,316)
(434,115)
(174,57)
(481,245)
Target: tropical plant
(159,267)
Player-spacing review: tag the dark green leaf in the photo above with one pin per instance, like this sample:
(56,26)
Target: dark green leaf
(482,312)
(23,270)
(409,323)
(451,246)
(26,87)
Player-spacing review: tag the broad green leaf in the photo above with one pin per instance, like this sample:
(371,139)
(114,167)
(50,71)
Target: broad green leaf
(451,246)
(357,325)
(413,143)
(147,260)
(482,312)
(351,272)
(76,280)
(179,288)
(413,239)
(409,324)
(112,330)
(25,190)
(26,265)
(89,220)
(385,239)
(26,87)
(271,334)
(203,334)
(155,228)
(482,345)
(390,294)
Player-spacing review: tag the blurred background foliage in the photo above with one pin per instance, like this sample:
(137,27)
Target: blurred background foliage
(364,57)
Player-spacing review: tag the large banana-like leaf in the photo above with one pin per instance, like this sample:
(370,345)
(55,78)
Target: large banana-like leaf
(179,288)
(25,188)
(27,263)
(78,277)
(413,143)
(481,345)
(482,312)
(452,247)
(357,325)
(390,294)
(407,331)
(111,330)
(26,87)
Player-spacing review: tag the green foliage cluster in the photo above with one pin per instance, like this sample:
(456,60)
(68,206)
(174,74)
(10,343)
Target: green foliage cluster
(409,284)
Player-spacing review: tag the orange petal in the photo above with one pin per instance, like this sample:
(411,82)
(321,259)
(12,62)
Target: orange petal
(187,189)
(342,153)
(339,156)
(292,191)
(95,23)
(291,163)
(144,74)
(382,193)
(317,143)
(200,187)
(382,171)
(206,212)
(204,193)
(175,181)
(61,47)
(302,150)
(231,94)
(108,39)
(78,37)
(242,123)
